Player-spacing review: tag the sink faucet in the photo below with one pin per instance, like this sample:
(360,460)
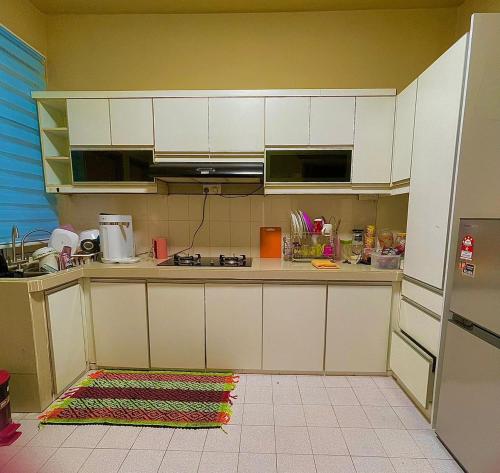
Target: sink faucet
(26,236)
(14,236)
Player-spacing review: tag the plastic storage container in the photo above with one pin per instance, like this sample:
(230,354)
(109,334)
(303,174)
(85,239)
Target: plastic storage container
(8,429)
(380,261)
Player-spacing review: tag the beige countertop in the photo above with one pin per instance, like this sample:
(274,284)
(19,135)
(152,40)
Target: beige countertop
(261,269)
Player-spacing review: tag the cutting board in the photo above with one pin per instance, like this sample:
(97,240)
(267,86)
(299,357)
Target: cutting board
(270,242)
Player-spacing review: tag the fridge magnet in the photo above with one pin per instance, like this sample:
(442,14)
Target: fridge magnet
(467,248)
(469,270)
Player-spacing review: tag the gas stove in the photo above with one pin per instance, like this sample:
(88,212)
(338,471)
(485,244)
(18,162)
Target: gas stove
(198,261)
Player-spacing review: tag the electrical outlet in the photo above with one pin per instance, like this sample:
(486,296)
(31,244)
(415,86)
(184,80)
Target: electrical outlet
(211,188)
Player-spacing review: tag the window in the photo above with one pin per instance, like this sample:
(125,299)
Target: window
(23,200)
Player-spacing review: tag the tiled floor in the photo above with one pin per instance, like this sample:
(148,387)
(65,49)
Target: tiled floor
(280,424)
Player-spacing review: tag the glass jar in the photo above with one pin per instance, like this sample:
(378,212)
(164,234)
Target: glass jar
(346,250)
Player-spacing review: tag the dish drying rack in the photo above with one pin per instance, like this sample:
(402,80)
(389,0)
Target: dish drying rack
(308,246)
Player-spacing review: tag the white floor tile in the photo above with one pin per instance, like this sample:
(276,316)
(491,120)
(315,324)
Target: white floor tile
(51,435)
(363,443)
(18,415)
(258,414)
(411,465)
(32,415)
(258,395)
(383,417)
(289,415)
(314,395)
(212,462)
(257,463)
(412,418)
(445,466)
(86,436)
(104,461)
(180,462)
(429,444)
(386,382)
(296,464)
(153,438)
(6,453)
(237,414)
(227,440)
(142,461)
(361,382)
(191,440)
(286,395)
(396,397)
(257,439)
(119,436)
(327,441)
(284,380)
(333,464)
(342,397)
(293,440)
(351,416)
(28,460)
(239,394)
(370,396)
(320,416)
(336,382)
(398,443)
(313,381)
(29,429)
(258,380)
(66,460)
(372,465)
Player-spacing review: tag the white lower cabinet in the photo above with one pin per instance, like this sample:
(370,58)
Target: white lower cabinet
(234,326)
(67,337)
(294,327)
(176,325)
(119,314)
(357,334)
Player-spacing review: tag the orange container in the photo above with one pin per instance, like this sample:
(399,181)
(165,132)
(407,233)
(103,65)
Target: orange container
(270,242)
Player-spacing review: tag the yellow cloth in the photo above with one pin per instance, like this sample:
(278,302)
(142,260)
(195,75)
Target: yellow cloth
(324,264)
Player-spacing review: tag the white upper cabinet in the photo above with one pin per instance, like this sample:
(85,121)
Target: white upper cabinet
(131,122)
(373,134)
(181,125)
(287,120)
(88,122)
(332,121)
(437,120)
(403,133)
(236,125)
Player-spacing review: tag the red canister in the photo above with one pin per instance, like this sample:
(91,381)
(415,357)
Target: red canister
(7,429)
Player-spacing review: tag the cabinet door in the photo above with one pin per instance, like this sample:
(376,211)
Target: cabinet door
(236,124)
(437,120)
(373,133)
(403,133)
(181,125)
(119,315)
(234,326)
(66,335)
(131,122)
(332,121)
(294,327)
(176,325)
(88,122)
(357,333)
(287,120)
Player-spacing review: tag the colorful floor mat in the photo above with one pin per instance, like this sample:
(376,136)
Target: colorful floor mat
(146,398)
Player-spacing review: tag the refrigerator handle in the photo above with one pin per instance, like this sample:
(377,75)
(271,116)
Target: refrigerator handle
(462,322)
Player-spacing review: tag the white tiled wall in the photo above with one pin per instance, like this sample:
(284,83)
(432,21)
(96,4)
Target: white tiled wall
(231,224)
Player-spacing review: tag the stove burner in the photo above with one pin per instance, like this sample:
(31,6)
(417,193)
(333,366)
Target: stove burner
(187,260)
(233,260)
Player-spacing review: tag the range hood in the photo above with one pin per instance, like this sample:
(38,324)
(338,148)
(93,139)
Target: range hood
(203,172)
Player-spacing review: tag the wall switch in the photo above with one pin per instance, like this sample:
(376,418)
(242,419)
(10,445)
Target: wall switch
(211,188)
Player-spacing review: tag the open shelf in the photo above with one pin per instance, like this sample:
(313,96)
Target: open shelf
(57,172)
(52,114)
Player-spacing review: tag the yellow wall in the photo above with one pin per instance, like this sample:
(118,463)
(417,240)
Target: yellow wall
(345,49)
(24,20)
(469,7)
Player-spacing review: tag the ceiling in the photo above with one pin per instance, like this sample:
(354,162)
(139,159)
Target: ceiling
(227,6)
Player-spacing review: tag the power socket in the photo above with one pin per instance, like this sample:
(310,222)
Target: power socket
(211,188)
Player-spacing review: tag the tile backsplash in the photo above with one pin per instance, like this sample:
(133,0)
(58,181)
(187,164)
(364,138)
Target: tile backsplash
(231,224)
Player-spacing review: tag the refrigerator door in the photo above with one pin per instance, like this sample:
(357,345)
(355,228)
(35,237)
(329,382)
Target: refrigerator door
(468,418)
(476,282)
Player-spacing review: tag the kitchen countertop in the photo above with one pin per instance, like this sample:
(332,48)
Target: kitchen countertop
(261,269)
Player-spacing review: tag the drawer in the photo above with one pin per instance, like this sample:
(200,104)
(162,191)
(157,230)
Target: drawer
(421,326)
(426,298)
(413,367)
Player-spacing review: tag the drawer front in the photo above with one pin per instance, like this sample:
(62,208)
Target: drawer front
(413,367)
(421,326)
(429,299)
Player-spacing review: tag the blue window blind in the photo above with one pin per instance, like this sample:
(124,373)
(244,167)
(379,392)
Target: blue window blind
(23,200)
